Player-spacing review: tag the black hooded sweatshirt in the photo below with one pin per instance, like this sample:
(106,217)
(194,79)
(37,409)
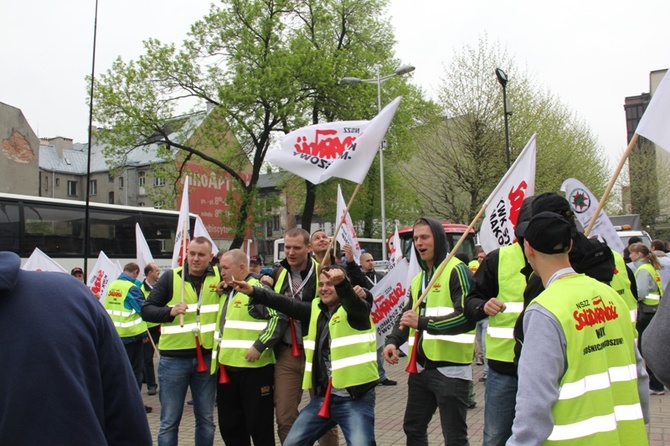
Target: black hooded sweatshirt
(459,286)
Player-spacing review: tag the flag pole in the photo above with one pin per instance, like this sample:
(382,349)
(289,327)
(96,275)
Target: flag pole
(183,270)
(449,257)
(339,225)
(617,171)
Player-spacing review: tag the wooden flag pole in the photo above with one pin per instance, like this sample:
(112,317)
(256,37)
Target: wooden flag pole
(339,225)
(153,344)
(183,269)
(449,257)
(617,171)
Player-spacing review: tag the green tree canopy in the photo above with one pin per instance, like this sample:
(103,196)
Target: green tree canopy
(266,67)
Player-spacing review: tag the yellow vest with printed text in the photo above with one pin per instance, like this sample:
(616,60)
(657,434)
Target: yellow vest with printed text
(598,401)
(353,353)
(176,337)
(457,349)
(240,331)
(128,323)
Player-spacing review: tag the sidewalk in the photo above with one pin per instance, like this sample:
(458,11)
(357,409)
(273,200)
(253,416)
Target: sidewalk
(390,409)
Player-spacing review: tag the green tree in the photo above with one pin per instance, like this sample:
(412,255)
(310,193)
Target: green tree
(460,158)
(265,67)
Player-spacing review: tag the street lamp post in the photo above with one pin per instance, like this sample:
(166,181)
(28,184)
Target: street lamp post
(378,79)
(502,79)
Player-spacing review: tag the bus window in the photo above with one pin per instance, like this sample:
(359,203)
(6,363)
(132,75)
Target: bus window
(113,233)
(9,227)
(54,230)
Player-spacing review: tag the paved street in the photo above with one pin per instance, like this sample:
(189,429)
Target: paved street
(391,407)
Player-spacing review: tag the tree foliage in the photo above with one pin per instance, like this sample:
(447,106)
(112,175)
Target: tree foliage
(266,67)
(461,157)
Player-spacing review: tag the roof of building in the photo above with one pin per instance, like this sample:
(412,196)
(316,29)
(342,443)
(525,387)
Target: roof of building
(75,160)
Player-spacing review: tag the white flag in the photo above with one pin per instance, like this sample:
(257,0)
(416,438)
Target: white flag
(412,271)
(103,273)
(395,249)
(347,234)
(39,261)
(201,231)
(343,149)
(183,228)
(584,204)
(655,123)
(142,251)
(390,295)
(504,203)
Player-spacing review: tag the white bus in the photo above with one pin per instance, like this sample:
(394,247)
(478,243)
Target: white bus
(57,227)
(371,245)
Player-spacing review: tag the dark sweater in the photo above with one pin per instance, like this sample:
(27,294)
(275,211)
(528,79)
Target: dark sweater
(66,379)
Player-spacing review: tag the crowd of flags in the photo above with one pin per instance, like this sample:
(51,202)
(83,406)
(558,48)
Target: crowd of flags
(346,150)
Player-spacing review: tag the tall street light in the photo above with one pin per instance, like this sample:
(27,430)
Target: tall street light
(502,78)
(378,79)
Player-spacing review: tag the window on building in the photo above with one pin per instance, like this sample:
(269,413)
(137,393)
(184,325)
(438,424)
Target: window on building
(159,205)
(111,198)
(111,178)
(57,181)
(141,204)
(158,181)
(120,182)
(71,188)
(93,187)
(46,183)
(141,181)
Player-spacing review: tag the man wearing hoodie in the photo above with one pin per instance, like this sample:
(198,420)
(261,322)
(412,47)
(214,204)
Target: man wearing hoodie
(65,379)
(444,340)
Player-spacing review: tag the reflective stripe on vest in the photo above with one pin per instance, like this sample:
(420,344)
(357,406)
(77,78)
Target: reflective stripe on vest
(128,323)
(621,284)
(598,403)
(353,353)
(511,283)
(174,337)
(653,298)
(457,349)
(240,331)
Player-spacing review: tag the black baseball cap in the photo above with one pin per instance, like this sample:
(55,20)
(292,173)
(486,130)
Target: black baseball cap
(525,213)
(552,202)
(256,259)
(549,233)
(76,270)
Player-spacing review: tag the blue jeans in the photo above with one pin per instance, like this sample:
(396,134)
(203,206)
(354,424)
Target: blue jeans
(356,418)
(175,376)
(428,391)
(499,408)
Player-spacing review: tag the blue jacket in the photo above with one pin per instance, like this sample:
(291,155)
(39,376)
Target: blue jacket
(66,379)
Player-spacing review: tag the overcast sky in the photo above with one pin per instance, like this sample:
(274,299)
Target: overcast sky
(591,54)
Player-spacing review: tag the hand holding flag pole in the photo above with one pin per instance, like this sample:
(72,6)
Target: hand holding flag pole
(341,222)
(525,160)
